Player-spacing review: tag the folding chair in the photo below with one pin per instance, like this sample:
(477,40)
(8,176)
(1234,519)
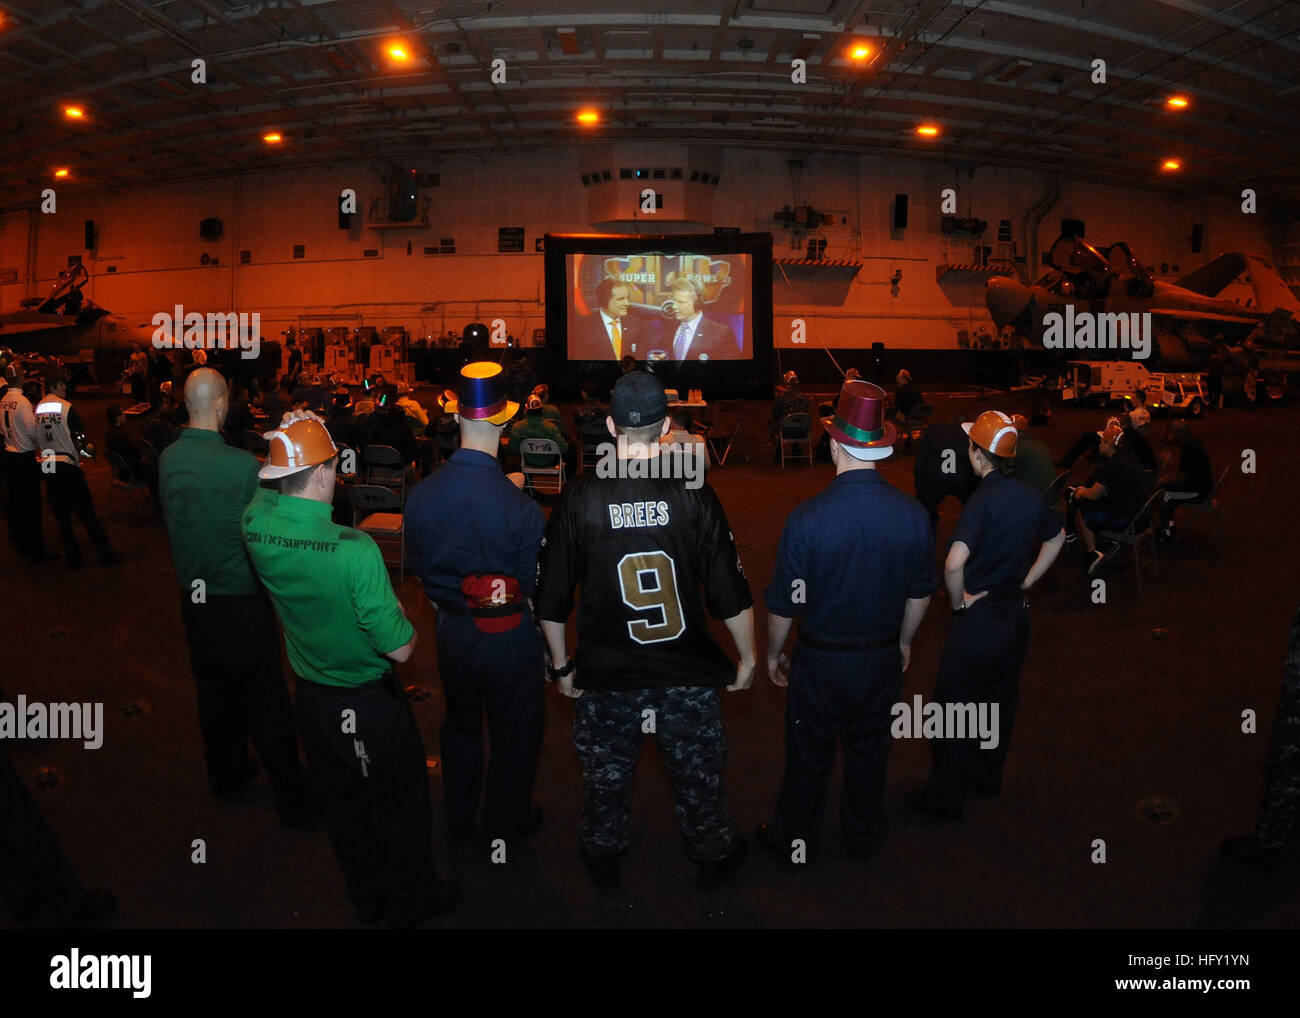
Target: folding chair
(795,432)
(1208,505)
(1138,534)
(385,467)
(1053,493)
(591,436)
(130,487)
(553,476)
(731,418)
(377,511)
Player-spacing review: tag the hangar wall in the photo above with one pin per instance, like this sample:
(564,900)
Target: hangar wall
(149,238)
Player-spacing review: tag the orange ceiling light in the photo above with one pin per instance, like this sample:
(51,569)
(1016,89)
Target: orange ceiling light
(61,172)
(860,51)
(274,138)
(1177,102)
(928,131)
(73,112)
(1170,165)
(399,52)
(588,118)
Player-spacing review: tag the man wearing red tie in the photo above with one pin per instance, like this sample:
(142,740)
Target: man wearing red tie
(605,335)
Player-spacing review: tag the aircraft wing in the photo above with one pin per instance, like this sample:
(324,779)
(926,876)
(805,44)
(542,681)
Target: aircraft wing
(1196,316)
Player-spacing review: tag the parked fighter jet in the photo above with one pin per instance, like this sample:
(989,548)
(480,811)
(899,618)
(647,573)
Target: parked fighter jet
(65,322)
(1188,320)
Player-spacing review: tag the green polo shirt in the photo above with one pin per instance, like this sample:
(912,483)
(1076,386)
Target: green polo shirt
(204,486)
(330,587)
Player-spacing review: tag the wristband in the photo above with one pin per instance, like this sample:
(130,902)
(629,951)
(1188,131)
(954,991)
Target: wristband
(558,673)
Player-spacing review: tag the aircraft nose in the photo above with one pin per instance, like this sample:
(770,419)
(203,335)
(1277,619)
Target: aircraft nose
(1006,299)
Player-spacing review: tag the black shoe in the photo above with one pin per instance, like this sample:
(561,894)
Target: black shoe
(444,897)
(766,835)
(603,868)
(918,800)
(714,871)
(1247,851)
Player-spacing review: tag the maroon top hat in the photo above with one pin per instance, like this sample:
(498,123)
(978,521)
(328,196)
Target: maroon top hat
(859,423)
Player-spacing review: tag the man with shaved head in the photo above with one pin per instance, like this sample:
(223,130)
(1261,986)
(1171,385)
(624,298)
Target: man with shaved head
(234,648)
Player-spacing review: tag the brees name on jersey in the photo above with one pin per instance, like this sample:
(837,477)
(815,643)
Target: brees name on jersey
(623,515)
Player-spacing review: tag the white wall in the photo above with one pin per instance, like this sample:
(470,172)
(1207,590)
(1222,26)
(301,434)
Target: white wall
(151,236)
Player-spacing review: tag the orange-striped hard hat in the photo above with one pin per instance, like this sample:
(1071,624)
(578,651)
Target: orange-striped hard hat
(296,446)
(994,432)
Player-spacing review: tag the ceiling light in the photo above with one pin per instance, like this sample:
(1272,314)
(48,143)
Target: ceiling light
(588,117)
(860,51)
(62,171)
(1171,164)
(273,138)
(1176,102)
(399,51)
(73,112)
(927,130)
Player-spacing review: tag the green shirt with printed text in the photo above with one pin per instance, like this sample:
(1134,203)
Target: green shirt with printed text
(330,587)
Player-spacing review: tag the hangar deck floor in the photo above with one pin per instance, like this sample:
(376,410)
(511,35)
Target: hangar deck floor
(1121,736)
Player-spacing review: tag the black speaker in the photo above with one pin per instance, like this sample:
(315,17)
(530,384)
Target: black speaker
(210,229)
(900,212)
(345,220)
(90,235)
(1198,237)
(1072,228)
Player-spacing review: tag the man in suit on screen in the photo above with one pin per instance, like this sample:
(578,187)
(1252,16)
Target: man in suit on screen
(607,335)
(694,337)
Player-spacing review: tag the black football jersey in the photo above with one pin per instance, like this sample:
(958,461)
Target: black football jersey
(650,555)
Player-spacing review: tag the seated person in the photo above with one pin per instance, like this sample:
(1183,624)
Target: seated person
(309,394)
(342,424)
(1134,438)
(535,425)
(1191,480)
(680,434)
(907,397)
(789,400)
(161,426)
(239,419)
(593,408)
(388,426)
(416,416)
(119,442)
(549,410)
(272,405)
(1111,499)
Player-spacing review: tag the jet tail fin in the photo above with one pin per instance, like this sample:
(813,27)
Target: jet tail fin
(1211,278)
(1270,290)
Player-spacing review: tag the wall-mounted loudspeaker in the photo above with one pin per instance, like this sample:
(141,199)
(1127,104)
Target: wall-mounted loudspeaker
(900,212)
(210,229)
(1198,237)
(90,235)
(1072,228)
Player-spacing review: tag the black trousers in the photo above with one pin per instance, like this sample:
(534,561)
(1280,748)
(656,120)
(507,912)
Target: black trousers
(23,502)
(70,494)
(933,486)
(370,770)
(35,877)
(846,696)
(242,695)
(500,675)
(981,664)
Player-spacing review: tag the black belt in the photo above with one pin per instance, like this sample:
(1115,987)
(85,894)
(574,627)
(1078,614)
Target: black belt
(487,611)
(849,645)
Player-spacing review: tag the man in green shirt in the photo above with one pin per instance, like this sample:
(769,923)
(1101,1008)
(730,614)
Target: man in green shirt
(204,486)
(536,425)
(344,628)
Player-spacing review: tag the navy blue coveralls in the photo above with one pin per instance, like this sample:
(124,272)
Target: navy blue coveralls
(1002,525)
(464,519)
(849,560)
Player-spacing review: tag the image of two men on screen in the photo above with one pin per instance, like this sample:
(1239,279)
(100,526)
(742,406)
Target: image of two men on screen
(686,334)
